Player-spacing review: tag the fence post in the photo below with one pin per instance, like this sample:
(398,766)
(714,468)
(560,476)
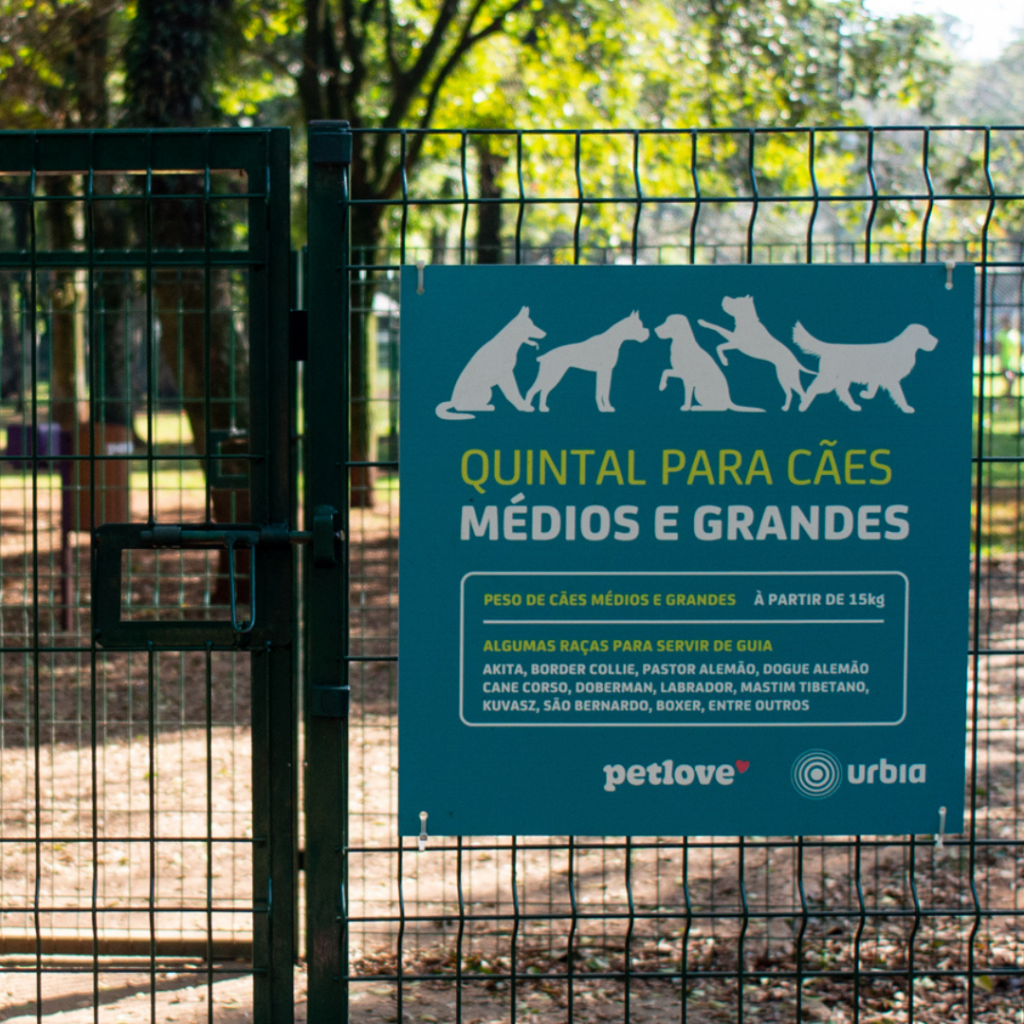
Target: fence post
(326,685)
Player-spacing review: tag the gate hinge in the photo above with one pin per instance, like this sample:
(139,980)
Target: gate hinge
(329,701)
(325,537)
(298,335)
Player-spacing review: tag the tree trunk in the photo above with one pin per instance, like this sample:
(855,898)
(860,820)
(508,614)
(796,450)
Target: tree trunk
(169,63)
(64,396)
(488,232)
(90,32)
(13,314)
(11,379)
(111,342)
(196,328)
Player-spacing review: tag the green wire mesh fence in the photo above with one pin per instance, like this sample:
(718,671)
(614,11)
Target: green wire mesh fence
(147,793)
(699,928)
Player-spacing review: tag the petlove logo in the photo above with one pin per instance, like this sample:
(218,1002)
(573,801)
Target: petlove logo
(666,773)
(817,774)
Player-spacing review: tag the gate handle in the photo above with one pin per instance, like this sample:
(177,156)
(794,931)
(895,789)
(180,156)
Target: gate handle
(251,545)
(176,536)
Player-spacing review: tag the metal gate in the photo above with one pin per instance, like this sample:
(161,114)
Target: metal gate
(148,710)
(698,928)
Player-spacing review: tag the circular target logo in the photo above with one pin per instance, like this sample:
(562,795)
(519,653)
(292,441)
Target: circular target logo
(817,774)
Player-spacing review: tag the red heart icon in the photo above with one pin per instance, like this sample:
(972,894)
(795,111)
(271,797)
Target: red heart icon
(742,766)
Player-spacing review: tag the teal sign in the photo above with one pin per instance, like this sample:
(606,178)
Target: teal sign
(684,549)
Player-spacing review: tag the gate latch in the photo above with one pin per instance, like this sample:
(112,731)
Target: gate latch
(112,539)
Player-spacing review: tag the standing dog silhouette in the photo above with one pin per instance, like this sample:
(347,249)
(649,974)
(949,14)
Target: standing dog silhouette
(752,338)
(698,371)
(493,366)
(878,366)
(598,355)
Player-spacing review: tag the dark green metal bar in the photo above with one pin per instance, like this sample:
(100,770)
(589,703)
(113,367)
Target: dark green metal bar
(326,793)
(295,519)
(96,360)
(120,258)
(814,188)
(274,704)
(35,632)
(208,358)
(134,151)
(208,709)
(151,715)
(151,361)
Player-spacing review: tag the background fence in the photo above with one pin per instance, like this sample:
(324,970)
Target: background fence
(699,928)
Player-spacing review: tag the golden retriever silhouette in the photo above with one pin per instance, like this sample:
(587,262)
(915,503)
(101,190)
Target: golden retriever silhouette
(698,371)
(881,365)
(598,355)
(493,366)
(753,339)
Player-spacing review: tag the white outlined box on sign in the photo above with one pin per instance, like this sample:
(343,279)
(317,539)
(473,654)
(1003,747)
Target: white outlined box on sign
(683,649)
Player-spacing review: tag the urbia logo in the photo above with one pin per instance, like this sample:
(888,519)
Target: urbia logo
(667,773)
(817,774)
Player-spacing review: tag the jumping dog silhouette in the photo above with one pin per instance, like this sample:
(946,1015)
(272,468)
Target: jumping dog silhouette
(598,355)
(752,338)
(493,366)
(697,370)
(878,366)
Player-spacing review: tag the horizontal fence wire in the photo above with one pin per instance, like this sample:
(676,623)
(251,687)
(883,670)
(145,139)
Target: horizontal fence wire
(700,928)
(127,830)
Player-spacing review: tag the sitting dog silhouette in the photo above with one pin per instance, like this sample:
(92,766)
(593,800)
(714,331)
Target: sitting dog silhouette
(598,355)
(698,371)
(752,338)
(881,365)
(493,366)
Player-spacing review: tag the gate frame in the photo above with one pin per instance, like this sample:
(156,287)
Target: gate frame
(264,155)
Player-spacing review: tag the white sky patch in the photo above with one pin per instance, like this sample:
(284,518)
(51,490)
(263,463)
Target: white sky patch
(987,25)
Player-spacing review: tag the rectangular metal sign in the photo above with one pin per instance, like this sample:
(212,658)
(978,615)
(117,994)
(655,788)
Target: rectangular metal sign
(684,549)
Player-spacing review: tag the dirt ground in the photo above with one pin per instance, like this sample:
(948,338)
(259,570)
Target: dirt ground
(125,998)
(183,781)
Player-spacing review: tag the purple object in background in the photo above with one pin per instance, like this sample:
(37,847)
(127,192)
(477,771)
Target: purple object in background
(50,440)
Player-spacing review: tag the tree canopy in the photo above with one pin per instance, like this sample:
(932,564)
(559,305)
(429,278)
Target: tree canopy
(459,63)
(475,65)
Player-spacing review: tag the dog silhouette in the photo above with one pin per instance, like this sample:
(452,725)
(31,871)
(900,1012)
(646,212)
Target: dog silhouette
(598,355)
(881,365)
(753,339)
(698,371)
(493,366)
